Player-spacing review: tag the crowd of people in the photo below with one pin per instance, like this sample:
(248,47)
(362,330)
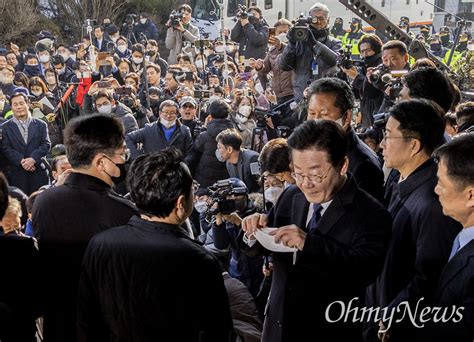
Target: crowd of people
(135,191)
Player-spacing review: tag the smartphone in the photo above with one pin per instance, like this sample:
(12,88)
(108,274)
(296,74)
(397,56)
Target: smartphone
(245,76)
(271,32)
(104,84)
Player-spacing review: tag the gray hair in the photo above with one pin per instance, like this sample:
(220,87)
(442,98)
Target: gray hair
(319,7)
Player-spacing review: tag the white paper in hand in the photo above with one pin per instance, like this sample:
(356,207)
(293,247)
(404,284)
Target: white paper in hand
(268,241)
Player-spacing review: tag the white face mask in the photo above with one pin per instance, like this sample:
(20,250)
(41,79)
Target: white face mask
(272,193)
(282,38)
(245,110)
(143,21)
(65,56)
(36,93)
(219,156)
(50,80)
(44,58)
(122,48)
(200,206)
(198,64)
(106,109)
(167,123)
(230,49)
(219,48)
(137,60)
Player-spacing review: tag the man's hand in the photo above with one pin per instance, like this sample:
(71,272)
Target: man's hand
(180,27)
(28,164)
(244,22)
(110,60)
(291,236)
(259,64)
(233,218)
(369,73)
(62,177)
(253,222)
(351,73)
(274,41)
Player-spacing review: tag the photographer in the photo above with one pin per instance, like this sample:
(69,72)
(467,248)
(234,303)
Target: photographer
(104,103)
(129,99)
(313,57)
(226,230)
(394,58)
(370,47)
(179,30)
(251,32)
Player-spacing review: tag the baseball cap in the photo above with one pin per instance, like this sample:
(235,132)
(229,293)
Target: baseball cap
(187,99)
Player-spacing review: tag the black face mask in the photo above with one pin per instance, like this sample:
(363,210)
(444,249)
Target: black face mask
(435,47)
(337,26)
(444,40)
(354,27)
(374,60)
(32,70)
(319,34)
(123,173)
(462,46)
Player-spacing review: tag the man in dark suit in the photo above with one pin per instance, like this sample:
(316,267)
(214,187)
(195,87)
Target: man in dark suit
(67,216)
(148,263)
(333,99)
(422,235)
(100,42)
(238,160)
(25,141)
(340,234)
(167,132)
(455,189)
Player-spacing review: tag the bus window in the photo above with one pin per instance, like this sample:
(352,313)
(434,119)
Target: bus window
(206,9)
(268,4)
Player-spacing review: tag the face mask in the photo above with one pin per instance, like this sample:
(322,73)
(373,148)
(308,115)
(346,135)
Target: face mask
(143,21)
(213,98)
(167,123)
(85,74)
(65,56)
(36,93)
(114,39)
(245,110)
(444,40)
(338,26)
(272,194)
(122,48)
(200,206)
(50,80)
(105,109)
(241,119)
(219,156)
(32,70)
(61,71)
(123,173)
(137,60)
(462,46)
(435,47)
(44,58)
(5,80)
(198,64)
(154,103)
(353,27)
(372,60)
(219,49)
(282,38)
(230,49)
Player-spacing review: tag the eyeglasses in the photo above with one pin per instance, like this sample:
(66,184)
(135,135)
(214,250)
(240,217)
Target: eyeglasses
(316,19)
(169,113)
(311,178)
(125,155)
(387,138)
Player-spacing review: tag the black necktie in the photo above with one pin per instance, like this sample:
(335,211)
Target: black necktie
(317,208)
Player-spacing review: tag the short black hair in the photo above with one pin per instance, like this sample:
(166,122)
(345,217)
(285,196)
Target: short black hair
(459,160)
(275,156)
(230,137)
(330,85)
(429,83)
(169,103)
(219,109)
(321,135)
(156,180)
(86,136)
(396,44)
(31,201)
(465,113)
(421,119)
(3,194)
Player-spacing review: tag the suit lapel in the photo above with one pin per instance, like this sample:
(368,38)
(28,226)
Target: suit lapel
(17,133)
(31,131)
(455,265)
(300,210)
(332,214)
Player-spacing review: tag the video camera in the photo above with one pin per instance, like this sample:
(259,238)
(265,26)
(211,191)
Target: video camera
(345,60)
(394,80)
(300,30)
(243,13)
(261,115)
(378,72)
(380,120)
(219,193)
(175,18)
(130,20)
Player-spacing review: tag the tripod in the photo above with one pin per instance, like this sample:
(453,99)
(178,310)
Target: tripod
(259,136)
